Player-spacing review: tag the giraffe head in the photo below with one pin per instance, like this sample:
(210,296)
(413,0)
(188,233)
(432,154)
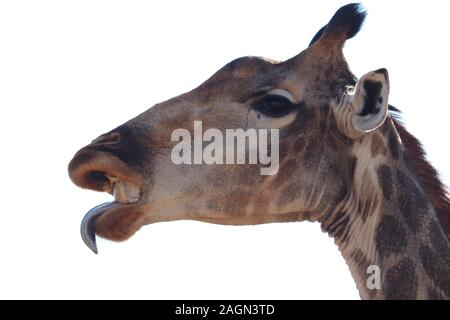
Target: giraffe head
(318,106)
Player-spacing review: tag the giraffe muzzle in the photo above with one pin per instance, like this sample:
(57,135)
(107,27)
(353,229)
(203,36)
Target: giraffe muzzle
(103,171)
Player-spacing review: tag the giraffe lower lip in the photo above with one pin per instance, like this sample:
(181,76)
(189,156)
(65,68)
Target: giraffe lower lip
(88,223)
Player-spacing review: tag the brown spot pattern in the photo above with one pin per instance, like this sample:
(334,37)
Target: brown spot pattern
(400,282)
(390,237)
(436,259)
(385,181)
(413,204)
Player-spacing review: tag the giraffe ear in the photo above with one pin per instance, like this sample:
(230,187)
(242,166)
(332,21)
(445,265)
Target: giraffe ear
(366,108)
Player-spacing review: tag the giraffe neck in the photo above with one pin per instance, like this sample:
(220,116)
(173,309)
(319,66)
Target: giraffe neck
(388,228)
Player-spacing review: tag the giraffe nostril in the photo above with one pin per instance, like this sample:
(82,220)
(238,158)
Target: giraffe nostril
(109,138)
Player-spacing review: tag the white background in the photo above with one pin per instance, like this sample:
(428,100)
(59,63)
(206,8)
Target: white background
(71,70)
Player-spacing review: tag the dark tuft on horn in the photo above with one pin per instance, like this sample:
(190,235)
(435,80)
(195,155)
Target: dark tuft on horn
(345,24)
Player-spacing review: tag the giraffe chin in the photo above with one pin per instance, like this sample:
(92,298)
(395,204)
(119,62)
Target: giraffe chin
(111,220)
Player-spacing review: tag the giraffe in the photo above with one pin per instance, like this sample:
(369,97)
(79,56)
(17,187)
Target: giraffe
(346,162)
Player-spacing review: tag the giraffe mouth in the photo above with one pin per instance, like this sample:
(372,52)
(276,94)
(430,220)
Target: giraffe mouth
(125,193)
(115,220)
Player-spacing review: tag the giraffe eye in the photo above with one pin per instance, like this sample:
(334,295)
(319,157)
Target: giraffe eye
(274,105)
